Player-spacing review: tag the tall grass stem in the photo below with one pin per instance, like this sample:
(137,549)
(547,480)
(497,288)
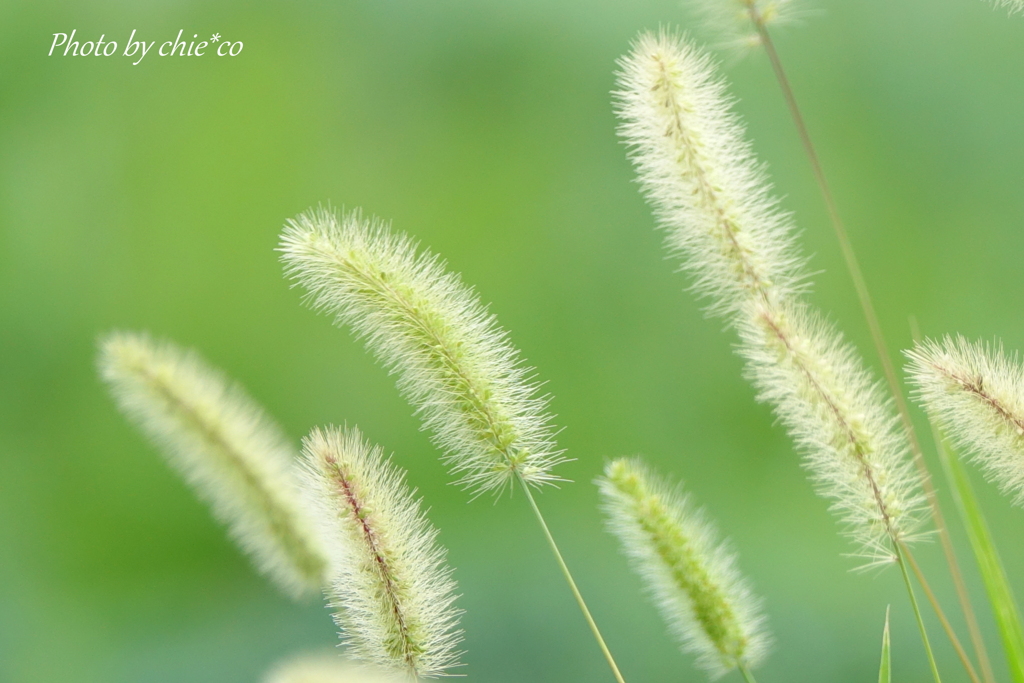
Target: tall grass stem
(900,553)
(572,584)
(946,626)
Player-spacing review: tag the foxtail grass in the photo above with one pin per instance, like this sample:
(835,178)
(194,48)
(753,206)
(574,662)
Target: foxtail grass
(454,363)
(391,589)
(711,198)
(690,574)
(975,394)
(225,446)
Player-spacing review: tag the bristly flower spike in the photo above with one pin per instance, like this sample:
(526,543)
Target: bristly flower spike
(391,587)
(454,363)
(691,575)
(975,394)
(840,419)
(708,192)
(225,446)
(710,196)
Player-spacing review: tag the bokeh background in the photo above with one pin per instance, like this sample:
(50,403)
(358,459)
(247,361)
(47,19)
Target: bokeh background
(151,196)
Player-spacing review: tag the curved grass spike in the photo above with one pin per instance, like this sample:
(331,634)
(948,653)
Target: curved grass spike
(711,198)
(690,574)
(393,593)
(975,394)
(225,446)
(454,363)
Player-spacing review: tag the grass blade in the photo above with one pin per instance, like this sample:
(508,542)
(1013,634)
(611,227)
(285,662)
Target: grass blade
(1000,595)
(885,668)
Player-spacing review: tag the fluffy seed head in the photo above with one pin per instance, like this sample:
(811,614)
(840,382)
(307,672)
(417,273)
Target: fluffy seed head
(225,446)
(391,588)
(975,393)
(454,363)
(711,197)
(708,192)
(324,668)
(835,411)
(691,575)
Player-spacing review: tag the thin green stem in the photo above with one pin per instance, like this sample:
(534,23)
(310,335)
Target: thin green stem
(747,675)
(917,613)
(930,594)
(572,584)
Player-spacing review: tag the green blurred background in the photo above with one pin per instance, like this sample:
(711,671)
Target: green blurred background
(151,196)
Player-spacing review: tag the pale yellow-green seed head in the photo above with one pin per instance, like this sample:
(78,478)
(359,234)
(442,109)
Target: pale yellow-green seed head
(839,417)
(391,588)
(691,576)
(975,393)
(454,363)
(225,446)
(708,192)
